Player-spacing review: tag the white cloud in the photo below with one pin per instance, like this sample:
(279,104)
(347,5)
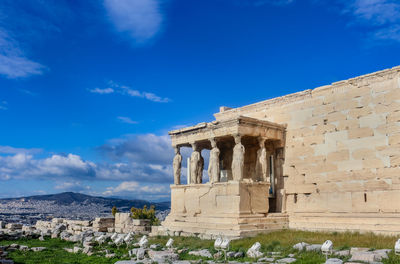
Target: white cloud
(126,90)
(75,186)
(102,91)
(380,17)
(24,166)
(3,105)
(136,189)
(377,12)
(140,19)
(127,120)
(12,150)
(13,62)
(143,148)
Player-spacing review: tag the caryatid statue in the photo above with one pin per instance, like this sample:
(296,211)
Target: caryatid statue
(194,164)
(200,169)
(262,163)
(177,165)
(238,159)
(213,166)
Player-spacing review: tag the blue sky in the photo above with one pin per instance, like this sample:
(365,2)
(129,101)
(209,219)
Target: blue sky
(89,89)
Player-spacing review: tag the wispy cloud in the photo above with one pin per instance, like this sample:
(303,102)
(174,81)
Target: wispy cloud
(114,87)
(127,120)
(73,186)
(140,19)
(102,91)
(129,187)
(264,2)
(12,150)
(380,17)
(13,61)
(3,105)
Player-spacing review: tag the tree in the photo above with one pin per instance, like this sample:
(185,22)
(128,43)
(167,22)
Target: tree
(114,210)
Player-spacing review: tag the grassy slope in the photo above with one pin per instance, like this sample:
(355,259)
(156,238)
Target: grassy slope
(277,241)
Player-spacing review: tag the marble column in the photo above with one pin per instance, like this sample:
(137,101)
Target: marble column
(213,166)
(177,165)
(238,159)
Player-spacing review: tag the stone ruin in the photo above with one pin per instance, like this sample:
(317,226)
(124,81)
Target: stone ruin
(322,159)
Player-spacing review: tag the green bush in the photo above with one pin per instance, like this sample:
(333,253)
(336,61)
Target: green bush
(145,213)
(114,210)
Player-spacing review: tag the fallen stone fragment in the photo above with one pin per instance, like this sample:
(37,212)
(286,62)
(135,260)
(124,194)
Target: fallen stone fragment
(239,254)
(254,251)
(286,260)
(70,250)
(140,253)
(111,255)
(354,250)
(334,261)
(37,249)
(181,262)
(342,253)
(381,254)
(6,261)
(162,256)
(23,248)
(300,246)
(364,256)
(201,253)
(265,259)
(77,249)
(314,247)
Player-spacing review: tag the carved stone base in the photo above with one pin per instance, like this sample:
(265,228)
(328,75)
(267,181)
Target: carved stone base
(231,209)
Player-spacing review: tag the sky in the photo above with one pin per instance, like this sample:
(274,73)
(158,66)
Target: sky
(89,89)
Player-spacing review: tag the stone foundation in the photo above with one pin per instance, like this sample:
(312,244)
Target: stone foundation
(233,209)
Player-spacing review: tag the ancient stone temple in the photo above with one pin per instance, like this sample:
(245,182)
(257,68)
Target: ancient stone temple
(321,159)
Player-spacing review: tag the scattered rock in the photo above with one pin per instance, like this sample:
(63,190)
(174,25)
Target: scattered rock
(254,251)
(70,250)
(314,247)
(342,253)
(354,250)
(334,261)
(162,256)
(23,248)
(265,259)
(77,249)
(239,254)
(300,246)
(37,249)
(140,253)
(111,255)
(286,260)
(201,253)
(365,256)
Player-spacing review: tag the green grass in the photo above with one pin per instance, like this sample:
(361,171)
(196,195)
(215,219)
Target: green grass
(281,241)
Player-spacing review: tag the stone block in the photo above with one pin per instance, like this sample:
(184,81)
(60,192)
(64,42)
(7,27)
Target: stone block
(361,132)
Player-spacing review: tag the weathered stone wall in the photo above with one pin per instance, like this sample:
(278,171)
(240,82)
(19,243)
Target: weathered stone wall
(342,153)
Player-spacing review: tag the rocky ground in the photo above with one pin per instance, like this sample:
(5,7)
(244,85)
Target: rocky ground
(99,247)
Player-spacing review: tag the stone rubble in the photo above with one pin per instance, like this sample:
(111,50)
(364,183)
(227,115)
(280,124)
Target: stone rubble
(86,240)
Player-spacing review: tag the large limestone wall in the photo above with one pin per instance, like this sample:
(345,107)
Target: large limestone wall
(342,153)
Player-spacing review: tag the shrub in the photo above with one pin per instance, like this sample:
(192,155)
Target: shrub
(114,210)
(145,213)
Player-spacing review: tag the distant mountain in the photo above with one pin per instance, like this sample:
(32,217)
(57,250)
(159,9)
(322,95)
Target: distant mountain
(68,198)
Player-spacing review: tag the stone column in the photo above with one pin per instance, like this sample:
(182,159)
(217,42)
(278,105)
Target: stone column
(238,159)
(213,166)
(177,165)
(194,163)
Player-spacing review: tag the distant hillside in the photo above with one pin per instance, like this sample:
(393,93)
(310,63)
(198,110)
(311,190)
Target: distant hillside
(67,198)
